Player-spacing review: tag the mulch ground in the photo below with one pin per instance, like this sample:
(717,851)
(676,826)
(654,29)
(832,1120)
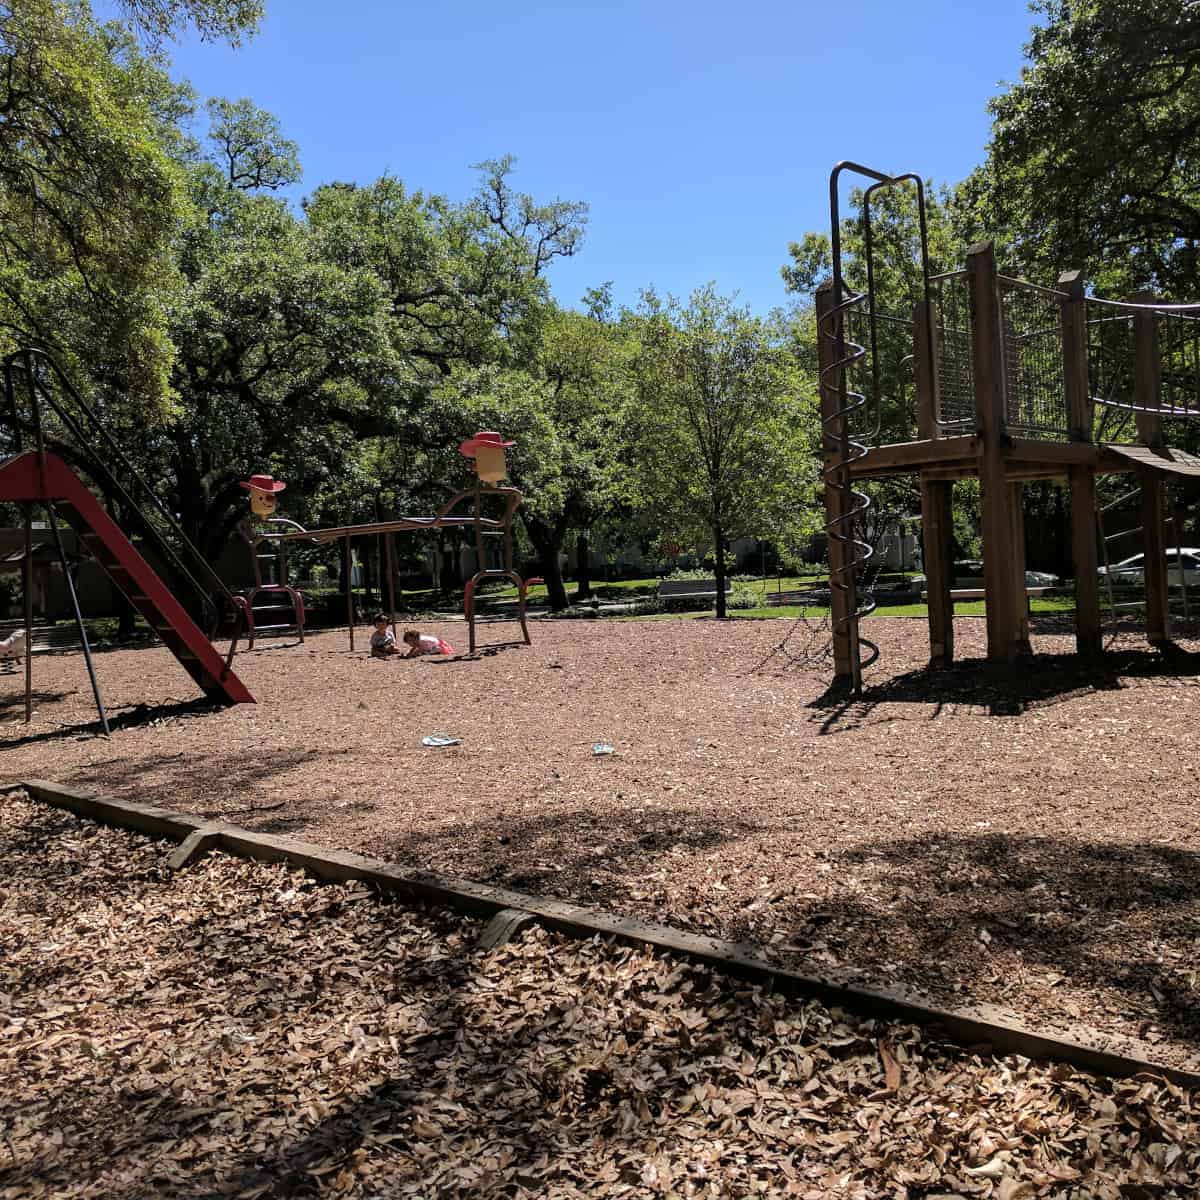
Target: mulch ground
(237,1030)
(1027,837)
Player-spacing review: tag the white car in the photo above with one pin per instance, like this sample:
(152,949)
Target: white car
(1133,568)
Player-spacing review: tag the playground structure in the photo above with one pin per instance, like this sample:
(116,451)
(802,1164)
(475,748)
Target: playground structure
(1010,379)
(180,573)
(167,581)
(272,595)
(487,451)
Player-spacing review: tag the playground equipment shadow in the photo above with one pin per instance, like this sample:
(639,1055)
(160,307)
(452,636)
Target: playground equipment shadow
(736,799)
(1006,690)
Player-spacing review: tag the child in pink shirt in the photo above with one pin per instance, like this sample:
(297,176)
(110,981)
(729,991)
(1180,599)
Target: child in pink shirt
(425,643)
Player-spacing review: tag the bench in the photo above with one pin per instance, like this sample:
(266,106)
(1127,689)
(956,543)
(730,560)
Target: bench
(676,589)
(61,636)
(957,594)
(810,596)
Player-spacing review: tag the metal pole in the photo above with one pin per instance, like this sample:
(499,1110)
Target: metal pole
(83,638)
(389,567)
(27,573)
(350,593)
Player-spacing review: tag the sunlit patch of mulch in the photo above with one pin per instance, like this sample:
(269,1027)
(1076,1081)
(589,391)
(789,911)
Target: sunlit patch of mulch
(237,1030)
(1025,837)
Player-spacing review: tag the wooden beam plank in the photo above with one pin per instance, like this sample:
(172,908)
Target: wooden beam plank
(1075,356)
(896,457)
(1155,564)
(1004,617)
(1085,556)
(937,534)
(925,368)
(1016,508)
(1147,373)
(1065,453)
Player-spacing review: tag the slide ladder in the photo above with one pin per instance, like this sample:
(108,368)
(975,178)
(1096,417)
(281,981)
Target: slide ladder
(30,477)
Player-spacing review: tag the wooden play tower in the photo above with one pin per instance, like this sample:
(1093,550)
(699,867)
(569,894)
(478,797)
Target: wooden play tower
(1009,377)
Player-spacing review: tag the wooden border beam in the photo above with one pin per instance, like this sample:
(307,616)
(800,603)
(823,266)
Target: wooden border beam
(1083,1047)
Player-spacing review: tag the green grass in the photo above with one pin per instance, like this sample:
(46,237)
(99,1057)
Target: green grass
(815,612)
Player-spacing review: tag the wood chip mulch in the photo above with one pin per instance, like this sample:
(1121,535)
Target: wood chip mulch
(1028,837)
(237,1030)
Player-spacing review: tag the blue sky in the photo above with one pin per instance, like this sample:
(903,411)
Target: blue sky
(701,133)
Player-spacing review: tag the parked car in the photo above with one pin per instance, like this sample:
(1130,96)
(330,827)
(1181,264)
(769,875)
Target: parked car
(1132,570)
(968,573)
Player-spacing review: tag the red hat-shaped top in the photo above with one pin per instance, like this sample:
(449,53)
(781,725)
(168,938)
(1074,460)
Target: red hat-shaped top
(263,483)
(484,438)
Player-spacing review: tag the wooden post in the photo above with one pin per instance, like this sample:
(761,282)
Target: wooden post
(925,369)
(1147,373)
(1016,508)
(1004,617)
(1075,357)
(1085,558)
(937,543)
(1155,562)
(842,584)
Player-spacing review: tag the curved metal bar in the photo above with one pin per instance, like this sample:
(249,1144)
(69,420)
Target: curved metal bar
(1133,306)
(835,427)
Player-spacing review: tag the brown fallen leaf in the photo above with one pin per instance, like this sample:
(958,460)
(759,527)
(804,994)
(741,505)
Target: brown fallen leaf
(892,1074)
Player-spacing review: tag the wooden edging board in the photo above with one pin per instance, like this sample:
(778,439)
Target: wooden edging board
(976,1025)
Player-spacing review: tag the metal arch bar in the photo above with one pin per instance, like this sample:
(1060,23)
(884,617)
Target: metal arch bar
(869,239)
(848,450)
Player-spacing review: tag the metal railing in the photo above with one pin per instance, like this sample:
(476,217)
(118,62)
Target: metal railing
(1031,340)
(954,410)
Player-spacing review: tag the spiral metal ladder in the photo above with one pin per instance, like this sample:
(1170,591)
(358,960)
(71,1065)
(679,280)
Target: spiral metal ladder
(840,403)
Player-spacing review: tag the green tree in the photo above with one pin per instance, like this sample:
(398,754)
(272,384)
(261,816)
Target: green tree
(249,146)
(722,428)
(230,20)
(88,195)
(283,359)
(1094,159)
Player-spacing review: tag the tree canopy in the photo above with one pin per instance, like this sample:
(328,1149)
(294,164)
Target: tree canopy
(1094,159)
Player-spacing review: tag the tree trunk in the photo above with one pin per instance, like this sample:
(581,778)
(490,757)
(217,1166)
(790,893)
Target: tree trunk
(547,541)
(719,565)
(583,571)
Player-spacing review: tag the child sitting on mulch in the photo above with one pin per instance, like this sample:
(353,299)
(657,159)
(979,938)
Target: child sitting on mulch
(383,640)
(425,643)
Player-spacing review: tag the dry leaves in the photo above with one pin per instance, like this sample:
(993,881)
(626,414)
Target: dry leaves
(237,1030)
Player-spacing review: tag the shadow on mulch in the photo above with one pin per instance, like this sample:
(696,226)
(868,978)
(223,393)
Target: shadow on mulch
(127,717)
(533,855)
(174,774)
(1104,916)
(1037,681)
(1117,920)
(14,706)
